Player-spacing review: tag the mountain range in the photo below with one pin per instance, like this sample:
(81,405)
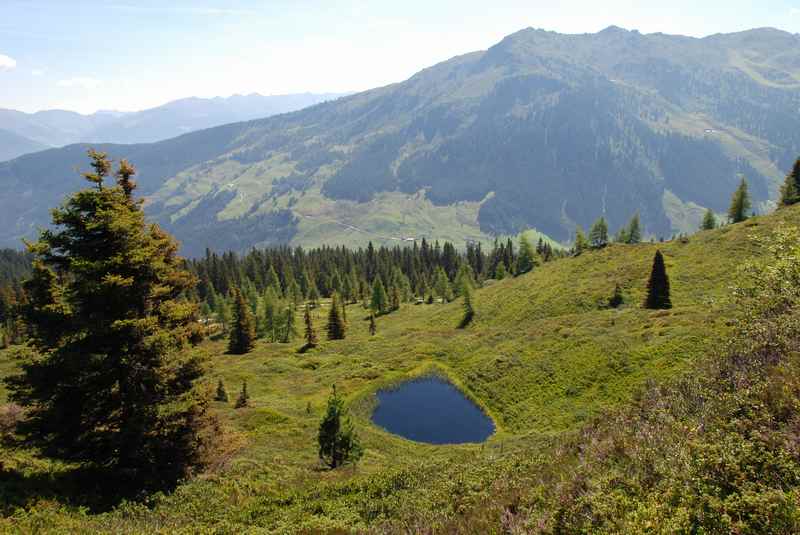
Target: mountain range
(543,130)
(55,128)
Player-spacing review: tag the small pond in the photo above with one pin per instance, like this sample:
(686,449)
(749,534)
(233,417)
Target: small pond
(431,410)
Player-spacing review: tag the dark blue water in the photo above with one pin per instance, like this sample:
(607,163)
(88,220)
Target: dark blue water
(431,410)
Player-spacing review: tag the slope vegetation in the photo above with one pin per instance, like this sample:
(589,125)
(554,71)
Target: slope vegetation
(544,357)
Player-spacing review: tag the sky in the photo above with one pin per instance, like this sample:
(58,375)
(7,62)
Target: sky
(89,55)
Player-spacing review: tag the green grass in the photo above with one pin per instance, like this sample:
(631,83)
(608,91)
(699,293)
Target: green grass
(542,357)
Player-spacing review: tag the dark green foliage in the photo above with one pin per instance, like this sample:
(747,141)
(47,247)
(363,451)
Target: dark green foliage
(658,285)
(243,330)
(244,398)
(336,326)
(469,309)
(527,257)
(740,203)
(598,235)
(379,303)
(222,394)
(709,220)
(337,440)
(373,327)
(310,334)
(110,385)
(790,191)
(616,298)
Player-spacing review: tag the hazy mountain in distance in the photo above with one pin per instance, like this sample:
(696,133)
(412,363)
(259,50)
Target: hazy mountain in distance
(13,145)
(55,128)
(543,130)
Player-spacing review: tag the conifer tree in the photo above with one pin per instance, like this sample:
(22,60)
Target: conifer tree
(336,326)
(581,243)
(379,302)
(500,271)
(313,295)
(110,385)
(469,310)
(633,233)
(373,327)
(442,285)
(337,440)
(243,331)
(527,256)
(268,321)
(222,394)
(740,203)
(709,220)
(244,398)
(395,300)
(616,298)
(311,334)
(289,330)
(790,191)
(598,235)
(658,285)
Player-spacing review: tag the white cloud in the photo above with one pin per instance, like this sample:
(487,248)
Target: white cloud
(80,82)
(794,11)
(7,63)
(37,72)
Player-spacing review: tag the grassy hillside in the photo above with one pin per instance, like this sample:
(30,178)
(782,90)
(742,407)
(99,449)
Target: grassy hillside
(543,357)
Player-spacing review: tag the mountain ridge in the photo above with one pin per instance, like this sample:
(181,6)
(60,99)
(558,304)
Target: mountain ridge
(541,130)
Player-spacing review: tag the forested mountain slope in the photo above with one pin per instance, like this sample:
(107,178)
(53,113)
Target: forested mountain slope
(542,130)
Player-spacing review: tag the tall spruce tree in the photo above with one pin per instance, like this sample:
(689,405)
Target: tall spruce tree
(790,191)
(311,334)
(740,203)
(658,285)
(243,331)
(379,303)
(336,438)
(709,220)
(110,384)
(336,326)
(598,235)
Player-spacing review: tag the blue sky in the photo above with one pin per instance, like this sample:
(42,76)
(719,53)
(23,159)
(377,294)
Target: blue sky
(128,55)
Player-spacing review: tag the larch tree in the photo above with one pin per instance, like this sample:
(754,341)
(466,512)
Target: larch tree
(336,438)
(581,243)
(658,292)
(336,326)
(243,330)
(527,257)
(109,383)
(469,307)
(633,232)
(740,203)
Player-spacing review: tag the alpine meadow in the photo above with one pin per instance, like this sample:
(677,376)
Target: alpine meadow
(549,287)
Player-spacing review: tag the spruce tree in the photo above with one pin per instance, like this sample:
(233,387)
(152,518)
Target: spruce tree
(740,203)
(336,327)
(598,235)
(373,327)
(709,220)
(222,394)
(379,302)
(243,330)
(658,285)
(336,438)
(288,330)
(244,398)
(633,233)
(311,334)
(790,191)
(469,310)
(110,385)
(527,256)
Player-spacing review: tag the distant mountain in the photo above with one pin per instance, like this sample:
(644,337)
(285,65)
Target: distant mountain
(13,145)
(543,130)
(56,128)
